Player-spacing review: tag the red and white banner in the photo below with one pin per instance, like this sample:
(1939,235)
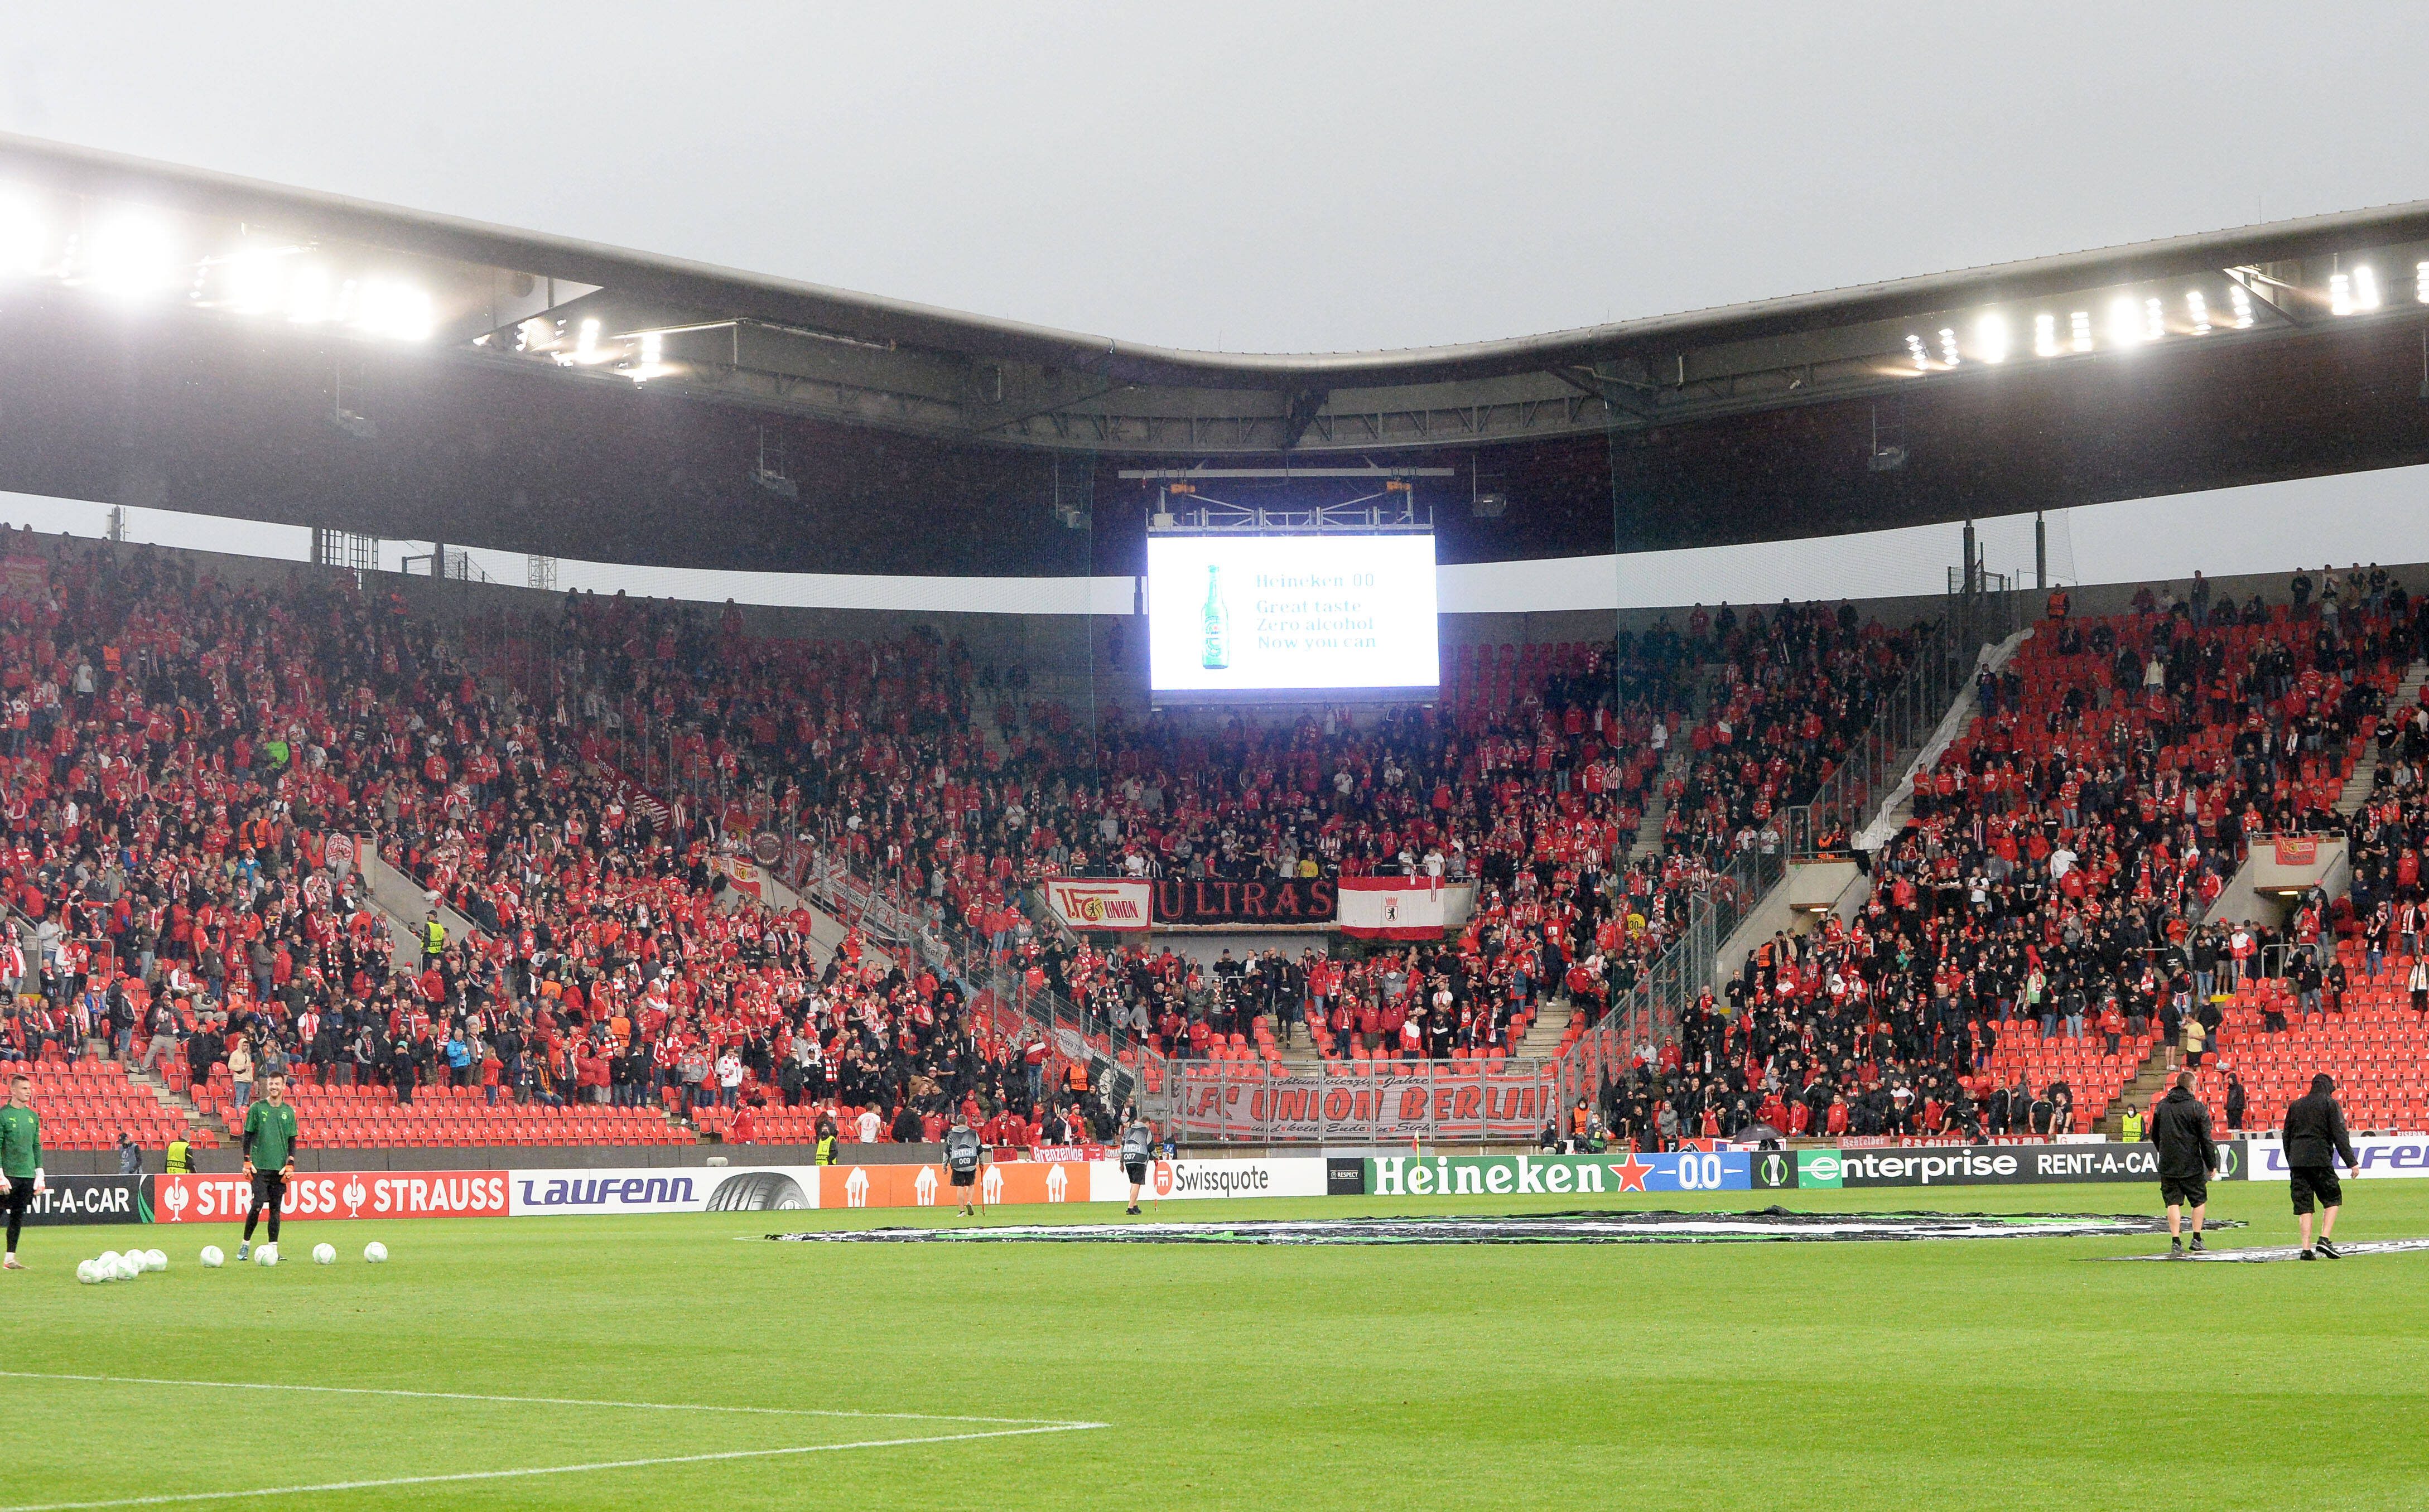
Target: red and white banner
(2294,852)
(1362,1109)
(1081,1153)
(1393,907)
(1098,905)
(24,575)
(223,1198)
(744,875)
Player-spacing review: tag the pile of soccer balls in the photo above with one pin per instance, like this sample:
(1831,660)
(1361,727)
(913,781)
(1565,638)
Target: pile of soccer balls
(113,1266)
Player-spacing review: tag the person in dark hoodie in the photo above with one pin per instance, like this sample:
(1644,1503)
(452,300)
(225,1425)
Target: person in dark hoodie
(2315,1136)
(2187,1159)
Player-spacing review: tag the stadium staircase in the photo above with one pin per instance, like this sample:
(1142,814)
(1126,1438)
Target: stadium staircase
(2357,788)
(1674,764)
(202,1128)
(86,1102)
(2144,1089)
(1657,803)
(1898,806)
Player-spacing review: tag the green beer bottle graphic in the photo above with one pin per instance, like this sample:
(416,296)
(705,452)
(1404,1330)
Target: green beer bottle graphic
(1217,652)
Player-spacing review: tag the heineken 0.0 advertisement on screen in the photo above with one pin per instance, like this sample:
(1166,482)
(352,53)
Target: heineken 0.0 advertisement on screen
(1236,616)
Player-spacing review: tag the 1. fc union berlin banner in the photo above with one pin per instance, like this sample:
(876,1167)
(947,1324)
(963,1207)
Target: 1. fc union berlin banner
(1393,907)
(1216,1102)
(1096,905)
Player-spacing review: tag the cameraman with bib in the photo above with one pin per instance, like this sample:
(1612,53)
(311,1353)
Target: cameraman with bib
(1138,1145)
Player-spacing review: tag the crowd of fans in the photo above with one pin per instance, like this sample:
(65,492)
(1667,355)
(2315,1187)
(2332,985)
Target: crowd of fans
(2064,856)
(180,751)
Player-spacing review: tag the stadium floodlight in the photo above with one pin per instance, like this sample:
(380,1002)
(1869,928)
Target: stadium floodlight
(653,348)
(1948,346)
(2155,324)
(133,255)
(23,238)
(2124,321)
(2197,310)
(2339,294)
(2080,323)
(386,306)
(585,343)
(308,294)
(2046,336)
(253,278)
(1991,339)
(1915,349)
(2365,283)
(2241,299)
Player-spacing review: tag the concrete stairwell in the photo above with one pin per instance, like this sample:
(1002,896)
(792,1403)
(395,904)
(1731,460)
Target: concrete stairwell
(2139,1092)
(2356,789)
(1543,1038)
(178,1103)
(402,902)
(1673,762)
(1657,801)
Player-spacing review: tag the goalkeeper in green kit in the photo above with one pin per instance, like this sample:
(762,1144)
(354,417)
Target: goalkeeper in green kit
(269,1156)
(20,1159)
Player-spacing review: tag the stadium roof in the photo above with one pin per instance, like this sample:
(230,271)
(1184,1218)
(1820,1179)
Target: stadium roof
(152,302)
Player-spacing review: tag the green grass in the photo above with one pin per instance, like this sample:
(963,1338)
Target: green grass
(1987,1373)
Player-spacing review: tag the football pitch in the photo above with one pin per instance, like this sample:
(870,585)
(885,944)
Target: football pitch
(684,1360)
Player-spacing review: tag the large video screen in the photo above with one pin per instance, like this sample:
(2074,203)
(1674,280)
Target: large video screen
(1238,617)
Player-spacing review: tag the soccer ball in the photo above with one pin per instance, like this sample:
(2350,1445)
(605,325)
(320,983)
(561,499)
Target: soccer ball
(267,1255)
(212,1258)
(108,1263)
(88,1273)
(130,1265)
(375,1251)
(155,1259)
(324,1255)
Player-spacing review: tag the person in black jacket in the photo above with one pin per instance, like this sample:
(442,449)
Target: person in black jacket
(2315,1136)
(2187,1159)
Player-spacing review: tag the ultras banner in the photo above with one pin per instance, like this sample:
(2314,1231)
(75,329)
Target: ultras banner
(1222,1104)
(1195,901)
(1978,1165)
(1499,1176)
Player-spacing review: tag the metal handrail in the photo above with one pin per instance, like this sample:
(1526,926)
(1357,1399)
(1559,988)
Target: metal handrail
(1902,723)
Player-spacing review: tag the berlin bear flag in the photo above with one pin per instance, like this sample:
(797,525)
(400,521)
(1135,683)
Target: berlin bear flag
(1393,907)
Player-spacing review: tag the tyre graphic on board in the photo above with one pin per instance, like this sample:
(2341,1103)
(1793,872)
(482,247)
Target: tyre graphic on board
(758,1192)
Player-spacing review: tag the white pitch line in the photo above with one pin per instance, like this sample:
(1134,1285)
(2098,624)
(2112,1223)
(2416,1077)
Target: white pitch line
(545,1469)
(1041,1423)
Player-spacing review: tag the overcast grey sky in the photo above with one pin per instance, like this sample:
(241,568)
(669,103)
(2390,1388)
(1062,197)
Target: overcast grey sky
(1257,176)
